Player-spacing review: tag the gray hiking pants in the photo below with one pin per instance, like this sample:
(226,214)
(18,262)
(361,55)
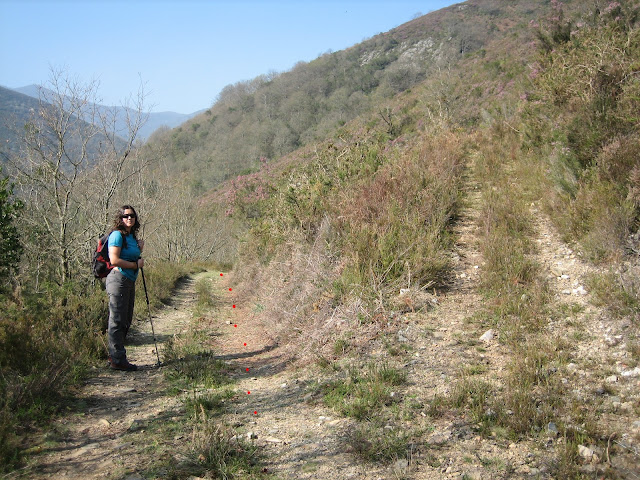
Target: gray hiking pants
(122,293)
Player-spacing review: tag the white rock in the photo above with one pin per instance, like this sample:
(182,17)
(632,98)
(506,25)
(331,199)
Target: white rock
(401,464)
(487,336)
(273,440)
(611,379)
(585,452)
(631,373)
(612,341)
(557,269)
(579,290)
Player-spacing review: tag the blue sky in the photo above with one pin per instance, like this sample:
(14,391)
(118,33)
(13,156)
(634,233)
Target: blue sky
(184,52)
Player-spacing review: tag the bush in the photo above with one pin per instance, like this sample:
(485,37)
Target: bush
(589,88)
(46,344)
(363,394)
(10,247)
(48,340)
(376,444)
(394,227)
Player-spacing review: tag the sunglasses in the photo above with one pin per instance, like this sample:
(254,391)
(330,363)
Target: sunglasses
(128,215)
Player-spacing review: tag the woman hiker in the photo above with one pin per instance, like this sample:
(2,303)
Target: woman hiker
(124,255)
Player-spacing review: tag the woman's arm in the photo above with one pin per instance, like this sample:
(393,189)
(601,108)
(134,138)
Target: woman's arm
(116,261)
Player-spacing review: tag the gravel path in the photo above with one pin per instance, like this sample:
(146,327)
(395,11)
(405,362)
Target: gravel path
(103,434)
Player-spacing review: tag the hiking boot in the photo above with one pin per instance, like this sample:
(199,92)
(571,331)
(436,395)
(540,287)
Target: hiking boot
(124,365)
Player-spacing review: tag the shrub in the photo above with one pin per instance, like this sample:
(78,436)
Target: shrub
(221,453)
(46,344)
(363,394)
(10,247)
(373,443)
(394,227)
(589,88)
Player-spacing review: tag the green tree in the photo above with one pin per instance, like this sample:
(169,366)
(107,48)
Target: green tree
(10,247)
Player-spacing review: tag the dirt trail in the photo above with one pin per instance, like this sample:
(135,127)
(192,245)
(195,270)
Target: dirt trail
(601,371)
(100,436)
(301,438)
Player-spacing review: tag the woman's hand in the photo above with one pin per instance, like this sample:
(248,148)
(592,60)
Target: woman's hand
(140,262)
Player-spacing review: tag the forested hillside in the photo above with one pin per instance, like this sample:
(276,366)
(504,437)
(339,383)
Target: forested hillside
(276,113)
(340,192)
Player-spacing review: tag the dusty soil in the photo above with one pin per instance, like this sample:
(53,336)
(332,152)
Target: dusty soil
(275,406)
(103,434)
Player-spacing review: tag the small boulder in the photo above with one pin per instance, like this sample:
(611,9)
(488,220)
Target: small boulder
(488,336)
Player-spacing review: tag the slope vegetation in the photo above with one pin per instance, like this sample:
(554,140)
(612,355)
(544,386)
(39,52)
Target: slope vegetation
(351,236)
(275,114)
(439,273)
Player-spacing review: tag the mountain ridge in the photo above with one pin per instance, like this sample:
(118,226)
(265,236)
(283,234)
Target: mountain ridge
(155,121)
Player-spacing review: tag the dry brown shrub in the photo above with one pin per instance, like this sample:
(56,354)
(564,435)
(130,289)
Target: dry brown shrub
(396,221)
(292,295)
(618,159)
(391,230)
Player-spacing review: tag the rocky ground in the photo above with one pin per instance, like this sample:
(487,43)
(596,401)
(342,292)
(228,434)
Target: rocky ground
(115,430)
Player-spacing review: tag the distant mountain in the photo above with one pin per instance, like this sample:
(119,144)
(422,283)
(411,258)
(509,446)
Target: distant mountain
(15,109)
(155,121)
(165,119)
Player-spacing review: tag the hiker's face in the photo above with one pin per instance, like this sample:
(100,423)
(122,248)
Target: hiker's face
(128,218)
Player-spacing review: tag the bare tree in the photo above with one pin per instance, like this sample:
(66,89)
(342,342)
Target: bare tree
(72,163)
(120,159)
(179,229)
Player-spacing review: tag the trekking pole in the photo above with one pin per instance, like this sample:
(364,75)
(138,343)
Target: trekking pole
(144,284)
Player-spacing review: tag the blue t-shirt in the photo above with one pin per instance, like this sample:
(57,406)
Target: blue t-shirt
(130,253)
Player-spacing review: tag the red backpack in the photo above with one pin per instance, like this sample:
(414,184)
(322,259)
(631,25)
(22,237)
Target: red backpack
(100,262)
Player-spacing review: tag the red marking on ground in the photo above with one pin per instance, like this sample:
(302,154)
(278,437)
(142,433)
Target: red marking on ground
(247,369)
(248,392)
(245,344)
(234,306)
(229,289)
(220,274)
(235,326)
(255,412)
